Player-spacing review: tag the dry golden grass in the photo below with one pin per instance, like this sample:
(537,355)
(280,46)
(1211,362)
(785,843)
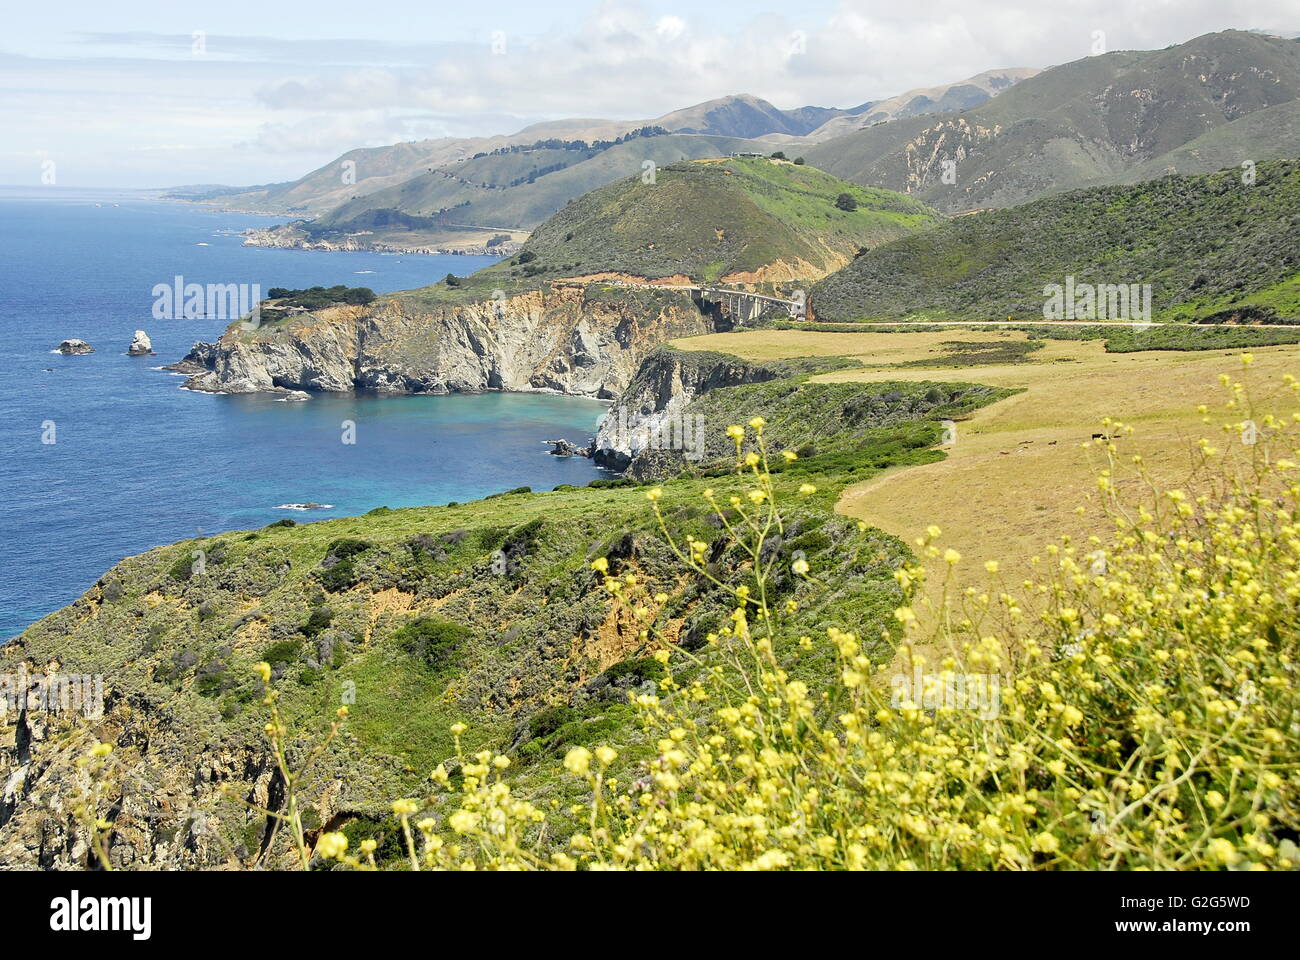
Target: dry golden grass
(1018,470)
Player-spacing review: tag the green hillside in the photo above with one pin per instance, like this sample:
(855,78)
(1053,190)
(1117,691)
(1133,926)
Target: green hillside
(1205,243)
(1089,121)
(709,219)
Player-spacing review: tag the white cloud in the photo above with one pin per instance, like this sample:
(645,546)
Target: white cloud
(670,28)
(257,108)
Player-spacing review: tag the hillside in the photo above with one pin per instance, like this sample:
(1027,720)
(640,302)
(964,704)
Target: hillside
(1205,243)
(487,614)
(557,316)
(519,190)
(737,220)
(367,169)
(944,98)
(1091,120)
(1269,134)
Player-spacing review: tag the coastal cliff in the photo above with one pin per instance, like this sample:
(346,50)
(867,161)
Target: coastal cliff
(649,414)
(585,342)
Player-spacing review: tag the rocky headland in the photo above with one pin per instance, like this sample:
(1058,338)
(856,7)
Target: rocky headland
(580,342)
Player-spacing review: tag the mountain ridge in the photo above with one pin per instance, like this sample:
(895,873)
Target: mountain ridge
(1090,120)
(740,116)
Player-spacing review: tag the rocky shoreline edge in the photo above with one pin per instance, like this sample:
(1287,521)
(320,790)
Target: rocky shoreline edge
(282,238)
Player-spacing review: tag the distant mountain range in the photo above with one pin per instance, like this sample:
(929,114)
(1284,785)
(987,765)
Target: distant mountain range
(994,140)
(1189,108)
(422,178)
(930,100)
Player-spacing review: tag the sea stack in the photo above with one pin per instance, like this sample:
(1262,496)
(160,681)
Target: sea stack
(140,345)
(75,347)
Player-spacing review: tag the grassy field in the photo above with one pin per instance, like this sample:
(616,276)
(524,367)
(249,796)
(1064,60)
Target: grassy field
(1019,468)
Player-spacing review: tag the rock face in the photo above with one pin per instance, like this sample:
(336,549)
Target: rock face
(647,420)
(141,346)
(567,448)
(564,340)
(75,348)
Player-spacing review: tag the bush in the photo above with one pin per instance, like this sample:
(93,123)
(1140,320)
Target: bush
(846,201)
(433,640)
(318,621)
(638,670)
(509,493)
(547,721)
(282,653)
(184,567)
(338,568)
(314,298)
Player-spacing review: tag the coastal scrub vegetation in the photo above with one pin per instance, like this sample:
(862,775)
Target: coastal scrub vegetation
(314,298)
(726,675)
(1133,707)
(1207,244)
(707,219)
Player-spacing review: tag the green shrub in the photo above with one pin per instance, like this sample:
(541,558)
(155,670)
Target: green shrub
(639,669)
(433,640)
(338,569)
(318,621)
(282,653)
(547,721)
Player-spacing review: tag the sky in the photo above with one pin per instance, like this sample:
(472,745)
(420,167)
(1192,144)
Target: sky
(155,94)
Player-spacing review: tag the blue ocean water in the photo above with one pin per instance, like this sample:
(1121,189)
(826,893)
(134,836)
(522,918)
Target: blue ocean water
(138,462)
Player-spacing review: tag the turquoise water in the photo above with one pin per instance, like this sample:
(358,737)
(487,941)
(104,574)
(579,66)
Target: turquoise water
(138,462)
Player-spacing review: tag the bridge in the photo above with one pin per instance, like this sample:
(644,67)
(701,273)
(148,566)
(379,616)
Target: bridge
(741,305)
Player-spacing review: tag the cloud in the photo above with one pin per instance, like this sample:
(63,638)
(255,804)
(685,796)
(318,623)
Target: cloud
(335,134)
(670,28)
(252,108)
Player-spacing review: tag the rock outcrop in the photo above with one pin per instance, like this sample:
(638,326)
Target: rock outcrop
(567,448)
(647,419)
(141,345)
(72,348)
(563,340)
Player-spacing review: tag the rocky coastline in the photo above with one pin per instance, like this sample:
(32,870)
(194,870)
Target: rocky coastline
(552,340)
(287,238)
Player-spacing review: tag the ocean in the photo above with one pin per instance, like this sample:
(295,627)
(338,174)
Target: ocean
(136,462)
